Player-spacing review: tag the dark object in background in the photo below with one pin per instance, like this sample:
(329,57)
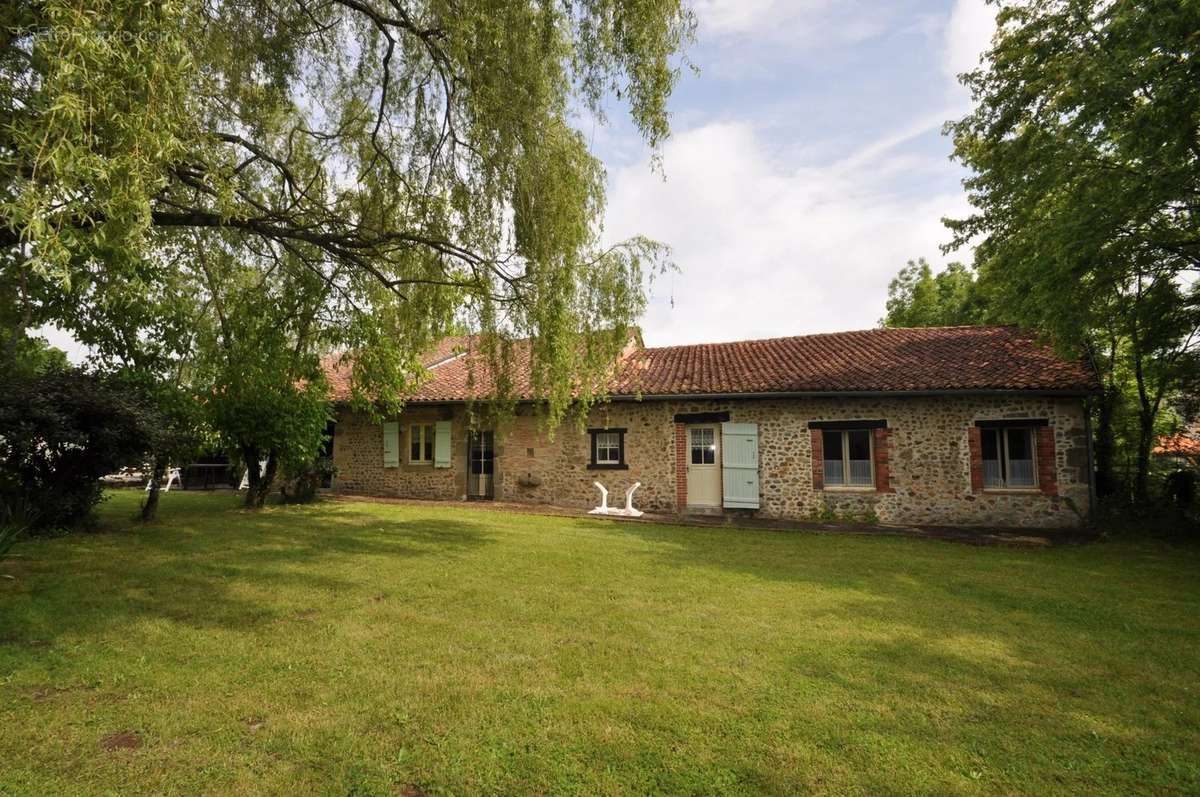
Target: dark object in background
(1180,489)
(300,485)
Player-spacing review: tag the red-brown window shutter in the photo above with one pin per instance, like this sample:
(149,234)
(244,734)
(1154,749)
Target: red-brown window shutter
(883,472)
(975,445)
(818,459)
(1046,463)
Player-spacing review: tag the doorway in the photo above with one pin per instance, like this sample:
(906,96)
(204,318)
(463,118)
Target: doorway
(481,461)
(704,466)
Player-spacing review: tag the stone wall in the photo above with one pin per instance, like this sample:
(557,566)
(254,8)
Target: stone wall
(358,455)
(928,458)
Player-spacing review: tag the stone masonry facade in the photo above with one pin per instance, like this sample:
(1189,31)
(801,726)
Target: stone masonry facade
(927,463)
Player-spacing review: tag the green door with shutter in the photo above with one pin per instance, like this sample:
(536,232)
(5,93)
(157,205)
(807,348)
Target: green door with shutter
(739,465)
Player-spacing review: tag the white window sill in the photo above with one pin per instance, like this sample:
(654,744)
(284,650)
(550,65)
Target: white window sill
(1012,490)
(849,488)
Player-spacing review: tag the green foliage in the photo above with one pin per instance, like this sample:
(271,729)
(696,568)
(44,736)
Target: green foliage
(417,159)
(63,431)
(96,101)
(31,355)
(301,483)
(919,298)
(1085,168)
(257,356)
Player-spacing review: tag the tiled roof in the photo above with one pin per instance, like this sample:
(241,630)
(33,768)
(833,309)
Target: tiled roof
(457,372)
(873,360)
(876,360)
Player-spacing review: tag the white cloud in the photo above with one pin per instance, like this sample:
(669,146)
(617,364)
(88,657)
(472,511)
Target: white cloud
(744,33)
(735,16)
(768,249)
(968,35)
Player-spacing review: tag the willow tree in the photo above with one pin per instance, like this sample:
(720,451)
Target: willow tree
(1085,154)
(418,158)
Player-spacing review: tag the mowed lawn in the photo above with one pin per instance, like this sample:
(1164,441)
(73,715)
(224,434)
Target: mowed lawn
(359,648)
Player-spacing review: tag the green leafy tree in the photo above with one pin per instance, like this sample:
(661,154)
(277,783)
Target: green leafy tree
(257,357)
(23,354)
(919,298)
(1085,165)
(417,158)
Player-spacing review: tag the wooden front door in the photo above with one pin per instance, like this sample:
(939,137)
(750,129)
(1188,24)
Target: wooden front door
(704,466)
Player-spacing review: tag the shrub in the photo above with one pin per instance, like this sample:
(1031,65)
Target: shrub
(301,484)
(60,432)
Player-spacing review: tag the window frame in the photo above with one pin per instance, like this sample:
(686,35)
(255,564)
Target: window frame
(844,434)
(711,448)
(594,462)
(1002,431)
(424,435)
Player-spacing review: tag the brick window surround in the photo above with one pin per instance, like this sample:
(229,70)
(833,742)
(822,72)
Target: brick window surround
(1047,470)
(880,450)
(883,473)
(1046,461)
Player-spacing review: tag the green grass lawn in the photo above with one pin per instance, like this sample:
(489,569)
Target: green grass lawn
(356,648)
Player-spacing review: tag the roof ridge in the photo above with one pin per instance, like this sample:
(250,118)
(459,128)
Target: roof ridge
(810,335)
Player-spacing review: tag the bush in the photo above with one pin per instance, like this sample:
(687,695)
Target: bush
(60,432)
(301,484)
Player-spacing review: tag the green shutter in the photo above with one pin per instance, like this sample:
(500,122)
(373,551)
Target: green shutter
(441,445)
(739,465)
(391,444)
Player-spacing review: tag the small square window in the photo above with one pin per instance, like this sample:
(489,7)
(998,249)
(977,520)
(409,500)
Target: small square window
(607,448)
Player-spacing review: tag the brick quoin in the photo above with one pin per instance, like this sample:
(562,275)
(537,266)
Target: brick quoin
(975,445)
(1047,470)
(680,468)
(818,459)
(883,472)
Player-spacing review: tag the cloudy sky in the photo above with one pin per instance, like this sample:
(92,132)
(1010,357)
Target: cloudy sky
(806,166)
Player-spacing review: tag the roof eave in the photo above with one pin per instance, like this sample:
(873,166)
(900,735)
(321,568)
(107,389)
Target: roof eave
(1058,393)
(1054,393)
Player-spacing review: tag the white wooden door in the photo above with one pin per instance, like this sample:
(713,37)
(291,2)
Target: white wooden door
(704,466)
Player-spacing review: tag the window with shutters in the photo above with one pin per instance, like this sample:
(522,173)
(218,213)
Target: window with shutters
(420,444)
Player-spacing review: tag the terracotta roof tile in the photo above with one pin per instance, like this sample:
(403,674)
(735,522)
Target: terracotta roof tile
(875,360)
(1178,445)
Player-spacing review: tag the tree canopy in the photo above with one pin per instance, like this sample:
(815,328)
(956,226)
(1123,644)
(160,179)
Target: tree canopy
(919,298)
(220,192)
(416,157)
(1085,158)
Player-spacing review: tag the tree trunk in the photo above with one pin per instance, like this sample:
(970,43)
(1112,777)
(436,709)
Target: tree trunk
(260,482)
(1141,483)
(158,471)
(1106,444)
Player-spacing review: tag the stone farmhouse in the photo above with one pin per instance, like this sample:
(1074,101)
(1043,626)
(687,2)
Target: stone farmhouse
(975,426)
